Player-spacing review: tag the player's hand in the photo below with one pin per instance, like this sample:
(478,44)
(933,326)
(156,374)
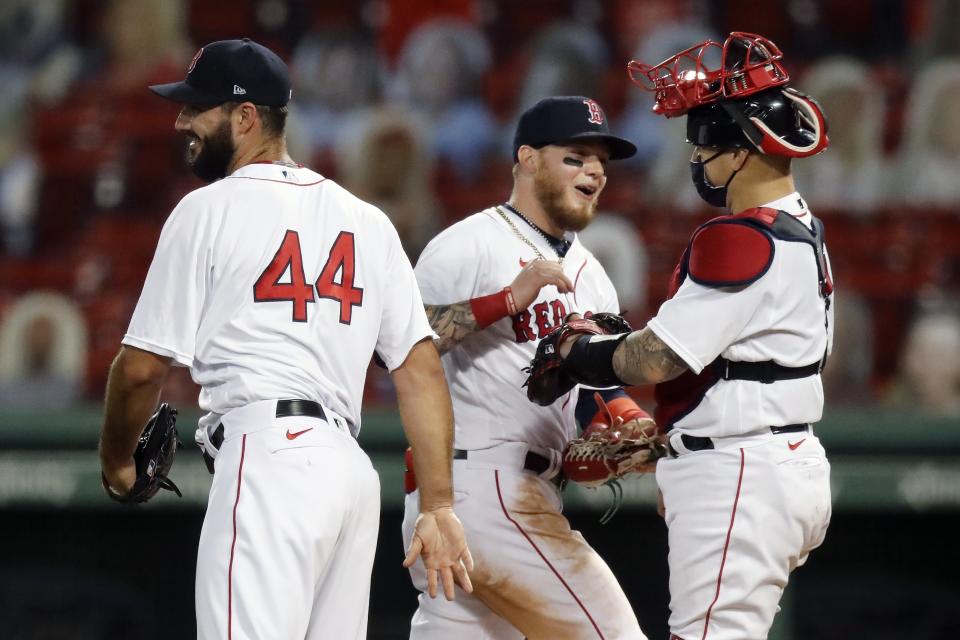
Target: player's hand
(566,345)
(661,509)
(535,276)
(438,539)
(121,477)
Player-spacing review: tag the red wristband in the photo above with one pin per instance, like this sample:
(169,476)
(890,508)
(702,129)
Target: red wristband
(489,309)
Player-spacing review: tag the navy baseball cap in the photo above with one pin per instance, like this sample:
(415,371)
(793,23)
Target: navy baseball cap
(561,119)
(231,71)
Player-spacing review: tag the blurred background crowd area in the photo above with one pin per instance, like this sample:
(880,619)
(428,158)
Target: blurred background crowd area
(411,104)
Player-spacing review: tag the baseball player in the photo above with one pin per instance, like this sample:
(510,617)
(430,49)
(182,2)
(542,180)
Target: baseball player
(494,284)
(275,286)
(738,347)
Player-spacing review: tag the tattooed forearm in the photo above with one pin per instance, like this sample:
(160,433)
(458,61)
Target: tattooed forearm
(643,358)
(452,322)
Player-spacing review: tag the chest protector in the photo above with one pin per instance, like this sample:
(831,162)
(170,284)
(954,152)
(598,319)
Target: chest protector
(735,251)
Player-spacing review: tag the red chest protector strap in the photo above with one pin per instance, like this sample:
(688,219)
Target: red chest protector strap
(788,228)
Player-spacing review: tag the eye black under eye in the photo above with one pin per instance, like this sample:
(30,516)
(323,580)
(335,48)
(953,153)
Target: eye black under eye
(573,162)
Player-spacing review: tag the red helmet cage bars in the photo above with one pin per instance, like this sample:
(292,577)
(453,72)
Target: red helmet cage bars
(748,64)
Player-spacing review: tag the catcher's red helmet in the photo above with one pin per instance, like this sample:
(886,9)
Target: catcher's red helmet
(734,95)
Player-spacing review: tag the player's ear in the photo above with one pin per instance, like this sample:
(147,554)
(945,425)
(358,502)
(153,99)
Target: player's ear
(528,158)
(740,157)
(244,116)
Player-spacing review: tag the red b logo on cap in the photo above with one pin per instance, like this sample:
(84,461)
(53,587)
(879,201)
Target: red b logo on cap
(596,113)
(193,62)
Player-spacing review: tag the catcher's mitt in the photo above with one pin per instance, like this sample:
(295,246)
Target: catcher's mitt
(547,379)
(608,451)
(153,457)
(605,453)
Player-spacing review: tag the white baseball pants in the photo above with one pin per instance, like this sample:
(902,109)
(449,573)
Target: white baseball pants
(741,517)
(290,532)
(534,577)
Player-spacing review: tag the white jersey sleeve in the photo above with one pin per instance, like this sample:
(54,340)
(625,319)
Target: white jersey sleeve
(681,324)
(404,319)
(168,313)
(451,266)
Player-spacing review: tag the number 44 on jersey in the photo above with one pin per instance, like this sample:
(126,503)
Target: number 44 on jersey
(342,260)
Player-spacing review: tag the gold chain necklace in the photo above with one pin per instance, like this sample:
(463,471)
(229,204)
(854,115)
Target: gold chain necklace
(525,239)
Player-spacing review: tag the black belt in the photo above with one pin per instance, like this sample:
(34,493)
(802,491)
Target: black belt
(288,408)
(766,372)
(285,409)
(701,443)
(534,462)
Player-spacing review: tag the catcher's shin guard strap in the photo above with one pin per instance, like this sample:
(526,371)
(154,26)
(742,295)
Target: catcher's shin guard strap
(590,360)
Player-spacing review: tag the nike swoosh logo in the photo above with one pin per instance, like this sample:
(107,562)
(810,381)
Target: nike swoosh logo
(793,445)
(294,436)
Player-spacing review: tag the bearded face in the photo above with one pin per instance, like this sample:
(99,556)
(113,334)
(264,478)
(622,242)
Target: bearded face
(562,202)
(209,156)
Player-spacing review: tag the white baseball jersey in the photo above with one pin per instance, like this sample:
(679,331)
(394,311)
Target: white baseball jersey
(277,283)
(779,317)
(746,509)
(476,257)
(535,577)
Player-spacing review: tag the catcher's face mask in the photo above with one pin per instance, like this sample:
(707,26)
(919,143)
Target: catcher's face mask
(709,71)
(734,94)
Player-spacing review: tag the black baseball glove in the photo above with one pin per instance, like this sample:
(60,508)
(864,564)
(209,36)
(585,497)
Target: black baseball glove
(547,379)
(153,457)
